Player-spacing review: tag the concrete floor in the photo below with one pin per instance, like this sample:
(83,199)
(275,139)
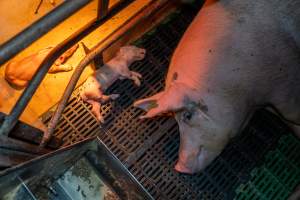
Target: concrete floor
(52,87)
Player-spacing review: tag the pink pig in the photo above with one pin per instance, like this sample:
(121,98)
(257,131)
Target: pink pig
(234,56)
(117,68)
(18,73)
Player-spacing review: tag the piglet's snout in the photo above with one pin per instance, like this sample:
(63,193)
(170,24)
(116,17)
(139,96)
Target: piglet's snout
(140,54)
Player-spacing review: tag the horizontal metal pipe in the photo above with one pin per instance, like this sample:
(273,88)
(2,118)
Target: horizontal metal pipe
(39,28)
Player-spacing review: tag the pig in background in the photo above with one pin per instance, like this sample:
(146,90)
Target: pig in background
(236,55)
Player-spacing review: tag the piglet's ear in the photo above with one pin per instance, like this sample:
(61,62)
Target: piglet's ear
(160,103)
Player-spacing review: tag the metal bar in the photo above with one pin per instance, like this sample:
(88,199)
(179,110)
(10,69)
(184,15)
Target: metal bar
(115,174)
(98,49)
(102,8)
(39,28)
(43,169)
(11,120)
(23,183)
(17,145)
(30,134)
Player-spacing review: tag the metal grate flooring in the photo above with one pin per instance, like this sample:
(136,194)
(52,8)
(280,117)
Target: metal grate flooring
(149,148)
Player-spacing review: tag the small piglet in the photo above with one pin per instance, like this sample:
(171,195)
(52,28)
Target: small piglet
(18,73)
(234,56)
(117,68)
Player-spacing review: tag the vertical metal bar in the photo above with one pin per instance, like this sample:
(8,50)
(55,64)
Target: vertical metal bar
(102,8)
(39,28)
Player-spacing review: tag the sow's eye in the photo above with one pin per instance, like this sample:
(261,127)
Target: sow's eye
(187,116)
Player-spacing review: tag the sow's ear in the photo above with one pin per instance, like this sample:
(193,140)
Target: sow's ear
(160,103)
(151,105)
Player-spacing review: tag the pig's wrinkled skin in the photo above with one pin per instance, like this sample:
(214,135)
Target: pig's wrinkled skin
(117,68)
(235,55)
(19,72)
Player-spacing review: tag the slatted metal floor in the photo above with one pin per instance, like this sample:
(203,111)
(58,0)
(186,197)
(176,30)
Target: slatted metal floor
(149,148)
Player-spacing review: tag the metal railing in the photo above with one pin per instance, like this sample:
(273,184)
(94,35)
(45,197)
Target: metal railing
(39,28)
(11,119)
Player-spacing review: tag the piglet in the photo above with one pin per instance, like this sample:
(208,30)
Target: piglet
(234,56)
(19,72)
(117,68)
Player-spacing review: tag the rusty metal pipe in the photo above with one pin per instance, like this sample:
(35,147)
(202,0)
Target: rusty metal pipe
(102,8)
(96,50)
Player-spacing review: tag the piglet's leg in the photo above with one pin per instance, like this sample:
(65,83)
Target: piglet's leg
(106,98)
(64,57)
(60,68)
(103,98)
(135,76)
(96,110)
(96,105)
